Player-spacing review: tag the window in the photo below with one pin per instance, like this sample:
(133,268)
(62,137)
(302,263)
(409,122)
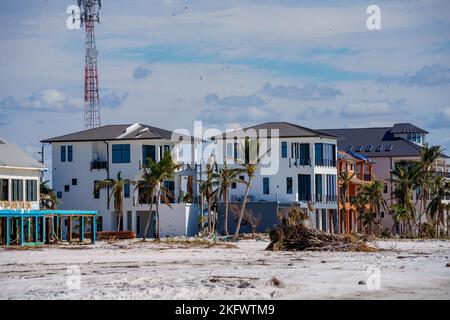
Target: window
(31,190)
(120,153)
(408,137)
(300,151)
(96,191)
(359,148)
(17,190)
(304,187)
(319,188)
(166,148)
(241,178)
(349,148)
(379,147)
(325,154)
(69,153)
(126,190)
(74,182)
(66,188)
(4,189)
(148,151)
(389,147)
(233,185)
(266,185)
(99,223)
(138,224)
(382,214)
(63,153)
(289,185)
(284,149)
(331,187)
(369,148)
(385,188)
(59,194)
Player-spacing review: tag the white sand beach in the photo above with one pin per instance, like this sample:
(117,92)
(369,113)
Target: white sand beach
(130,269)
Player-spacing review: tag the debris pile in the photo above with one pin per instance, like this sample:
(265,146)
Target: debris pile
(293,234)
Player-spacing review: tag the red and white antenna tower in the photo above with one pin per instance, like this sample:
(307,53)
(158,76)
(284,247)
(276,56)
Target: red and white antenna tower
(89,15)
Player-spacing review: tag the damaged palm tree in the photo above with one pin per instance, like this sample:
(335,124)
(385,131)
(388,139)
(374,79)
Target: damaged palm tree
(293,233)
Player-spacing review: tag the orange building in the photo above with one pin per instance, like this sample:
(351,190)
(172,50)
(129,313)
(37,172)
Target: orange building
(354,170)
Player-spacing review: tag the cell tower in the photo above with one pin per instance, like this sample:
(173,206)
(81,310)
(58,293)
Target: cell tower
(89,15)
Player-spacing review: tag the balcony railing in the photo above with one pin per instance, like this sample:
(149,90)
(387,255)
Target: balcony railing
(99,165)
(255,198)
(325,162)
(324,198)
(299,162)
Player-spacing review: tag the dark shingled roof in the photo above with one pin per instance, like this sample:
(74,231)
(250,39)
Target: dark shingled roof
(135,131)
(406,128)
(375,142)
(286,130)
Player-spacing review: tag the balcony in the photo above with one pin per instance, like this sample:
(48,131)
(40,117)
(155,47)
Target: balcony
(99,165)
(255,198)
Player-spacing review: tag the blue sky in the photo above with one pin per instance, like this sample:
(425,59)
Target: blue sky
(170,62)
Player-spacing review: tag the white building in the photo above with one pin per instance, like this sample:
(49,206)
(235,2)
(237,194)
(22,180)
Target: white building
(388,146)
(303,173)
(82,158)
(19,178)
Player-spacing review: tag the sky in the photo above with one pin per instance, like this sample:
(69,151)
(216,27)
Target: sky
(228,63)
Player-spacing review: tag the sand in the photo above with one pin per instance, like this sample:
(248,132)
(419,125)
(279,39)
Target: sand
(130,269)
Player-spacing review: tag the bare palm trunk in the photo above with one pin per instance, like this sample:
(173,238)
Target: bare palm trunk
(209,216)
(149,218)
(225,201)
(157,217)
(241,214)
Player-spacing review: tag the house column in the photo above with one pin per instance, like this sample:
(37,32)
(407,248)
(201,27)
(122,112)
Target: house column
(133,222)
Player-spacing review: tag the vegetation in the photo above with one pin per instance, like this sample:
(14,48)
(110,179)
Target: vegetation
(47,198)
(151,187)
(117,186)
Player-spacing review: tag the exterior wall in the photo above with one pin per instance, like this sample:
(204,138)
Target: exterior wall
(22,174)
(81,196)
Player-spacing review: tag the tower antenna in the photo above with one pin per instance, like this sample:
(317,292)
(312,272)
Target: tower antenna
(89,15)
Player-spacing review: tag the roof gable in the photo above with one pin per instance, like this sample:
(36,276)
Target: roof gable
(12,156)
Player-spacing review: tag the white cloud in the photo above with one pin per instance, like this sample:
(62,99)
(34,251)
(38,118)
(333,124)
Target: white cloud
(43,100)
(307,92)
(373,108)
(441,118)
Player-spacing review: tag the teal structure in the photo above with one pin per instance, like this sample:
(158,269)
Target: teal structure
(37,227)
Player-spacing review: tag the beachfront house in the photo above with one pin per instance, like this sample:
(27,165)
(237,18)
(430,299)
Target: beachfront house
(298,169)
(82,158)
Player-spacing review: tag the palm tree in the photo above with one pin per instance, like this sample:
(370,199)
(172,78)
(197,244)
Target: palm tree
(151,185)
(436,207)
(249,167)
(47,198)
(208,189)
(428,156)
(344,181)
(117,186)
(225,178)
(405,179)
(361,201)
(374,193)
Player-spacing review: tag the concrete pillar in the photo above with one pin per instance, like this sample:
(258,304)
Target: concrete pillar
(8,231)
(125,221)
(94,229)
(82,229)
(21,231)
(133,221)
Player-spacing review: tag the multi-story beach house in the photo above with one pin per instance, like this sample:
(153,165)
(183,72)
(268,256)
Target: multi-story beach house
(82,158)
(388,146)
(303,172)
(19,178)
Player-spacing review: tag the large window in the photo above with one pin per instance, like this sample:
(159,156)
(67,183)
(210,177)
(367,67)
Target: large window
(31,190)
(121,153)
(4,190)
(304,187)
(325,154)
(266,185)
(284,150)
(331,188)
(69,153)
(289,185)
(63,153)
(300,151)
(126,190)
(17,190)
(319,188)
(148,152)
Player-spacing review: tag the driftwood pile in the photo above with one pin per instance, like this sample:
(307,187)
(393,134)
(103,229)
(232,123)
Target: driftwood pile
(294,234)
